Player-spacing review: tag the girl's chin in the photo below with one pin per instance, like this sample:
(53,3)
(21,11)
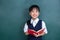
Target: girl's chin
(34,17)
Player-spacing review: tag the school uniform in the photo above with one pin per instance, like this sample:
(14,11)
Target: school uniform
(36,25)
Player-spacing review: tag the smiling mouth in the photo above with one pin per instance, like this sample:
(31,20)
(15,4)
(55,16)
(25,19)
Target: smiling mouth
(34,15)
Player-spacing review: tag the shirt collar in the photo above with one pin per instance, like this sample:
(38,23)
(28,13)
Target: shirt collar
(36,20)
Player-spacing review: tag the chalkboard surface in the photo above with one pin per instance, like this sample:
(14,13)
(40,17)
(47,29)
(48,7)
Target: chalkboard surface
(14,14)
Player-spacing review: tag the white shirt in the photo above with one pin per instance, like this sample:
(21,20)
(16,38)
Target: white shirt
(34,22)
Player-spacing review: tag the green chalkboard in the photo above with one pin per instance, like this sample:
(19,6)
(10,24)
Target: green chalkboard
(14,14)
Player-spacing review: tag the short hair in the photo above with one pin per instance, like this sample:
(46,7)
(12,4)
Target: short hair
(34,6)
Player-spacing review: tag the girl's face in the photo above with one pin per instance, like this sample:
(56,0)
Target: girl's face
(34,13)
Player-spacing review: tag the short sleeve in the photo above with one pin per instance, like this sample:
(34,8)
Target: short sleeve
(25,27)
(44,26)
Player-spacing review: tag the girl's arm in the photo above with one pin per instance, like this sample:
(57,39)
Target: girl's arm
(26,29)
(26,33)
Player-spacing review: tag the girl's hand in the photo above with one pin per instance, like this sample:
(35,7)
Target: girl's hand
(41,34)
(35,35)
(26,33)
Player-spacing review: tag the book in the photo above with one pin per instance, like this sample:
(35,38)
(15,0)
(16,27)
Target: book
(40,31)
(30,31)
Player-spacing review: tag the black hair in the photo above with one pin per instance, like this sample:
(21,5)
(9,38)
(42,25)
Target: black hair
(34,6)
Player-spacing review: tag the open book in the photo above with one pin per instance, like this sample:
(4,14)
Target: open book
(30,31)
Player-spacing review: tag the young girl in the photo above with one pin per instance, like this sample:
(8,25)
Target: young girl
(35,24)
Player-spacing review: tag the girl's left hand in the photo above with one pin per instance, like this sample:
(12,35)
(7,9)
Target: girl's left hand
(35,35)
(41,34)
